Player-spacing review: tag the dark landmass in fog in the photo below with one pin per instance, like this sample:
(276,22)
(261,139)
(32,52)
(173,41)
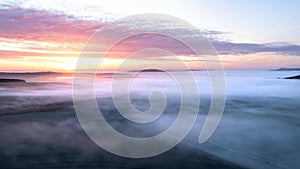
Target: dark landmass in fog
(293,77)
(12,80)
(286,69)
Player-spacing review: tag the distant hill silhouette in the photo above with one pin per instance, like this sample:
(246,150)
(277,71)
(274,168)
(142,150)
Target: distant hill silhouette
(152,70)
(286,69)
(28,73)
(157,70)
(12,80)
(148,70)
(293,77)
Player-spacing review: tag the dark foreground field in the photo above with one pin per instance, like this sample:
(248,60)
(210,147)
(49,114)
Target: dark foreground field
(54,139)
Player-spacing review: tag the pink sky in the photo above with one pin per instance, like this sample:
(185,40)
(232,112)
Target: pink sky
(42,40)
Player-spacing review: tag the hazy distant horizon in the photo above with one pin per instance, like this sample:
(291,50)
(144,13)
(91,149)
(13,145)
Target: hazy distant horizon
(112,71)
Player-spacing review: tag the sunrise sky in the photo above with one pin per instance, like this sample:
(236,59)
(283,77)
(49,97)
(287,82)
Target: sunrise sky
(49,35)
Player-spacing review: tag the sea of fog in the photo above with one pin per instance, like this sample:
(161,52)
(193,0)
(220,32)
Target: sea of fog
(259,128)
(238,83)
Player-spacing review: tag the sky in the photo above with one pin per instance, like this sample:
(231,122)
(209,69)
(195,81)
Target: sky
(49,35)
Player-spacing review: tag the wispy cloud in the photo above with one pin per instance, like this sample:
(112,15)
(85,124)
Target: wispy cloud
(229,48)
(40,25)
(28,32)
(30,29)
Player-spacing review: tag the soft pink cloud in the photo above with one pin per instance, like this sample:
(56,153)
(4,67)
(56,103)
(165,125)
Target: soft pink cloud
(30,24)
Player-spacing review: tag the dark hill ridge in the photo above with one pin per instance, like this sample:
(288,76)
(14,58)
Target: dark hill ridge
(12,81)
(28,73)
(152,70)
(167,70)
(293,77)
(286,69)
(148,70)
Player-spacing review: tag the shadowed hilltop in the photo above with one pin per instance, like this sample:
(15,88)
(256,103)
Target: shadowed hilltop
(293,77)
(4,80)
(286,69)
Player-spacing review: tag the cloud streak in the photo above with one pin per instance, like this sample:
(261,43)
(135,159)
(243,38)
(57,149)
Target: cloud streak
(229,48)
(28,32)
(40,25)
(28,25)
